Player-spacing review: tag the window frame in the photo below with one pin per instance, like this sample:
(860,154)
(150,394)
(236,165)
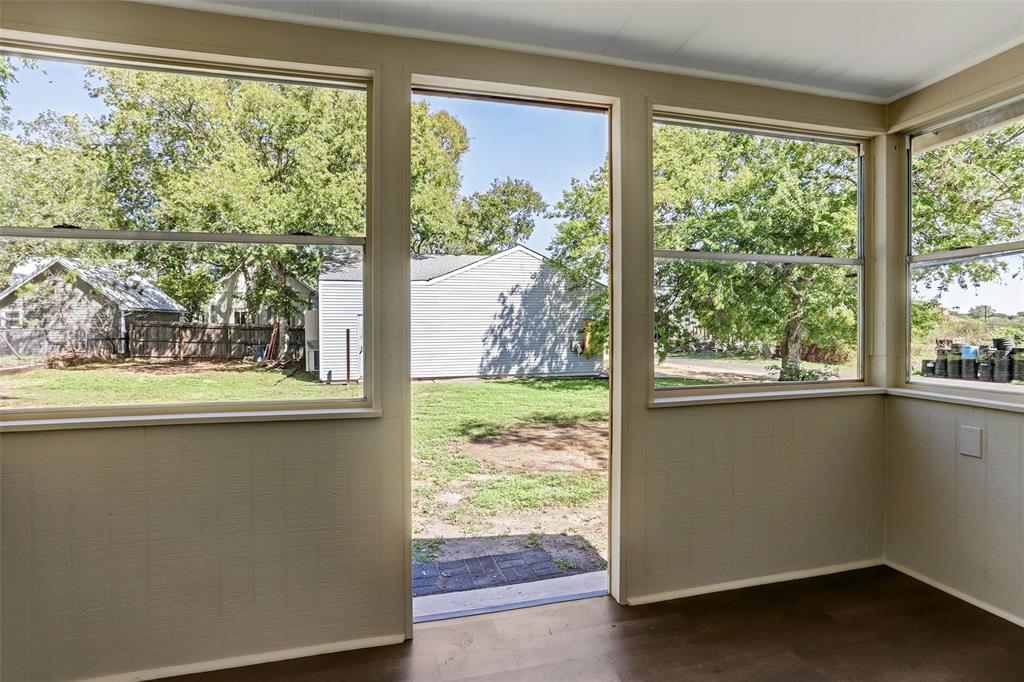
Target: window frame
(953,388)
(667,395)
(5,316)
(222,66)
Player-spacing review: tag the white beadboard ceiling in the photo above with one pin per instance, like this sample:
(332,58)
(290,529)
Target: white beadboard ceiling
(868,50)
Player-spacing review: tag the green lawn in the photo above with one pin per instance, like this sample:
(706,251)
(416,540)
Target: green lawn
(458,496)
(16,361)
(668,382)
(147,382)
(537,491)
(445,412)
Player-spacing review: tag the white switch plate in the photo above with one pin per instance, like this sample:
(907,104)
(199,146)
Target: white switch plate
(970,441)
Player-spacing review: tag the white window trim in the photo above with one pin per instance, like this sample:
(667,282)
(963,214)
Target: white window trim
(669,396)
(206,64)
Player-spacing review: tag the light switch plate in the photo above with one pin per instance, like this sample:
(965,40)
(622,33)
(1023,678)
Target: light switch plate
(970,441)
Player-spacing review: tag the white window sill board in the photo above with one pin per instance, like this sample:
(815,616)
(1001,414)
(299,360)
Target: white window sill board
(958,399)
(761,396)
(57,423)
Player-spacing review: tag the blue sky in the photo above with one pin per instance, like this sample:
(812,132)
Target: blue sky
(546,146)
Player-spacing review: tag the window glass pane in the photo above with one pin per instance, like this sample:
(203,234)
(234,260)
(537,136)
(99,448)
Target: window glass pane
(138,323)
(968,183)
(742,193)
(728,322)
(131,149)
(975,308)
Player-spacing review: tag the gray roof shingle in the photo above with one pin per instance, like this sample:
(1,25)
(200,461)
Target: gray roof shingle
(423,267)
(128,291)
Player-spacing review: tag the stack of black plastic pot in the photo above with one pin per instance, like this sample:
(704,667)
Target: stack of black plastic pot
(998,363)
(1002,369)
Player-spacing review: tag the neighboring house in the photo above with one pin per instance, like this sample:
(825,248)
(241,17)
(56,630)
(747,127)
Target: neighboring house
(62,302)
(228,304)
(514,313)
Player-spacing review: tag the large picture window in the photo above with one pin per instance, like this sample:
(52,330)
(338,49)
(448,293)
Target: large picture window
(966,317)
(758,264)
(165,235)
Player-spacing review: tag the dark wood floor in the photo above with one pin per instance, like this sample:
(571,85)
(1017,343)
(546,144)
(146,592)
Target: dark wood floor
(870,624)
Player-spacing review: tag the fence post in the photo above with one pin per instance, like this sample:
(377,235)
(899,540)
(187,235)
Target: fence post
(348,356)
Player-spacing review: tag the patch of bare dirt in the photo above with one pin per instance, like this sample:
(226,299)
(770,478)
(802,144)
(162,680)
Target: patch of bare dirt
(543,448)
(576,534)
(172,367)
(717,375)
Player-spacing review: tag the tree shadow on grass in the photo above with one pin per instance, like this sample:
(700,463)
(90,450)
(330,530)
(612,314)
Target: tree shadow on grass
(475,429)
(563,385)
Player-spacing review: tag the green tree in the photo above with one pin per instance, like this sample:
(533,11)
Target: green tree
(438,143)
(720,191)
(730,192)
(6,78)
(969,193)
(981,312)
(179,152)
(580,244)
(499,218)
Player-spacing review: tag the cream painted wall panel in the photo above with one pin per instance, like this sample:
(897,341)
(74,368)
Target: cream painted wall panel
(732,492)
(955,519)
(129,549)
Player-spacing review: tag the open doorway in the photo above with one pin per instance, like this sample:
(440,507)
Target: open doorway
(510,397)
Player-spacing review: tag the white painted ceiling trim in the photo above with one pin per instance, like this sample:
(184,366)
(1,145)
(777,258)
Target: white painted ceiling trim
(236,9)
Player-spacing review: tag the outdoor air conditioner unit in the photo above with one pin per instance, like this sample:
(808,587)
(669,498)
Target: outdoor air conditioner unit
(311,321)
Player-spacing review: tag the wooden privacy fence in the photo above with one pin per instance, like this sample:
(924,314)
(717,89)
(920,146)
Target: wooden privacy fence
(176,340)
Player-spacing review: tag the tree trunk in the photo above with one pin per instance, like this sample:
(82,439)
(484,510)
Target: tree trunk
(792,347)
(281,321)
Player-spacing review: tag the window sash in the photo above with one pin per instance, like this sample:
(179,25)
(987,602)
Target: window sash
(65,233)
(858,262)
(216,65)
(966,254)
(754,257)
(240,407)
(857,146)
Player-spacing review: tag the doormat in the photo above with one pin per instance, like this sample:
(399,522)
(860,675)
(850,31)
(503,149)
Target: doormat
(495,570)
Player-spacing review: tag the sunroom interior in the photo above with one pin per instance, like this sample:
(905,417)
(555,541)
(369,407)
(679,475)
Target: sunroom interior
(142,541)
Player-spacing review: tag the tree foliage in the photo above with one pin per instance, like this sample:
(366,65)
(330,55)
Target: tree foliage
(966,193)
(581,244)
(727,192)
(499,218)
(179,152)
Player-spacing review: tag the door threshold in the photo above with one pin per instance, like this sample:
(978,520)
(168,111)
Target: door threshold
(508,597)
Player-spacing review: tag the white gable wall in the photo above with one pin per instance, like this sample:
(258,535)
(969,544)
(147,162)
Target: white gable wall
(513,314)
(341,308)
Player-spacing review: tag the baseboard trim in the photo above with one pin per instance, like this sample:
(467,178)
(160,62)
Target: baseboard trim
(250,659)
(752,582)
(973,601)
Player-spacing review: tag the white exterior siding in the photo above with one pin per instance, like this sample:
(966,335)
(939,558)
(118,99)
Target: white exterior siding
(230,298)
(512,314)
(341,308)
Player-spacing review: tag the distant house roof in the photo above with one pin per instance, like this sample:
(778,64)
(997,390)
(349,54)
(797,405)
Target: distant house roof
(129,292)
(422,267)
